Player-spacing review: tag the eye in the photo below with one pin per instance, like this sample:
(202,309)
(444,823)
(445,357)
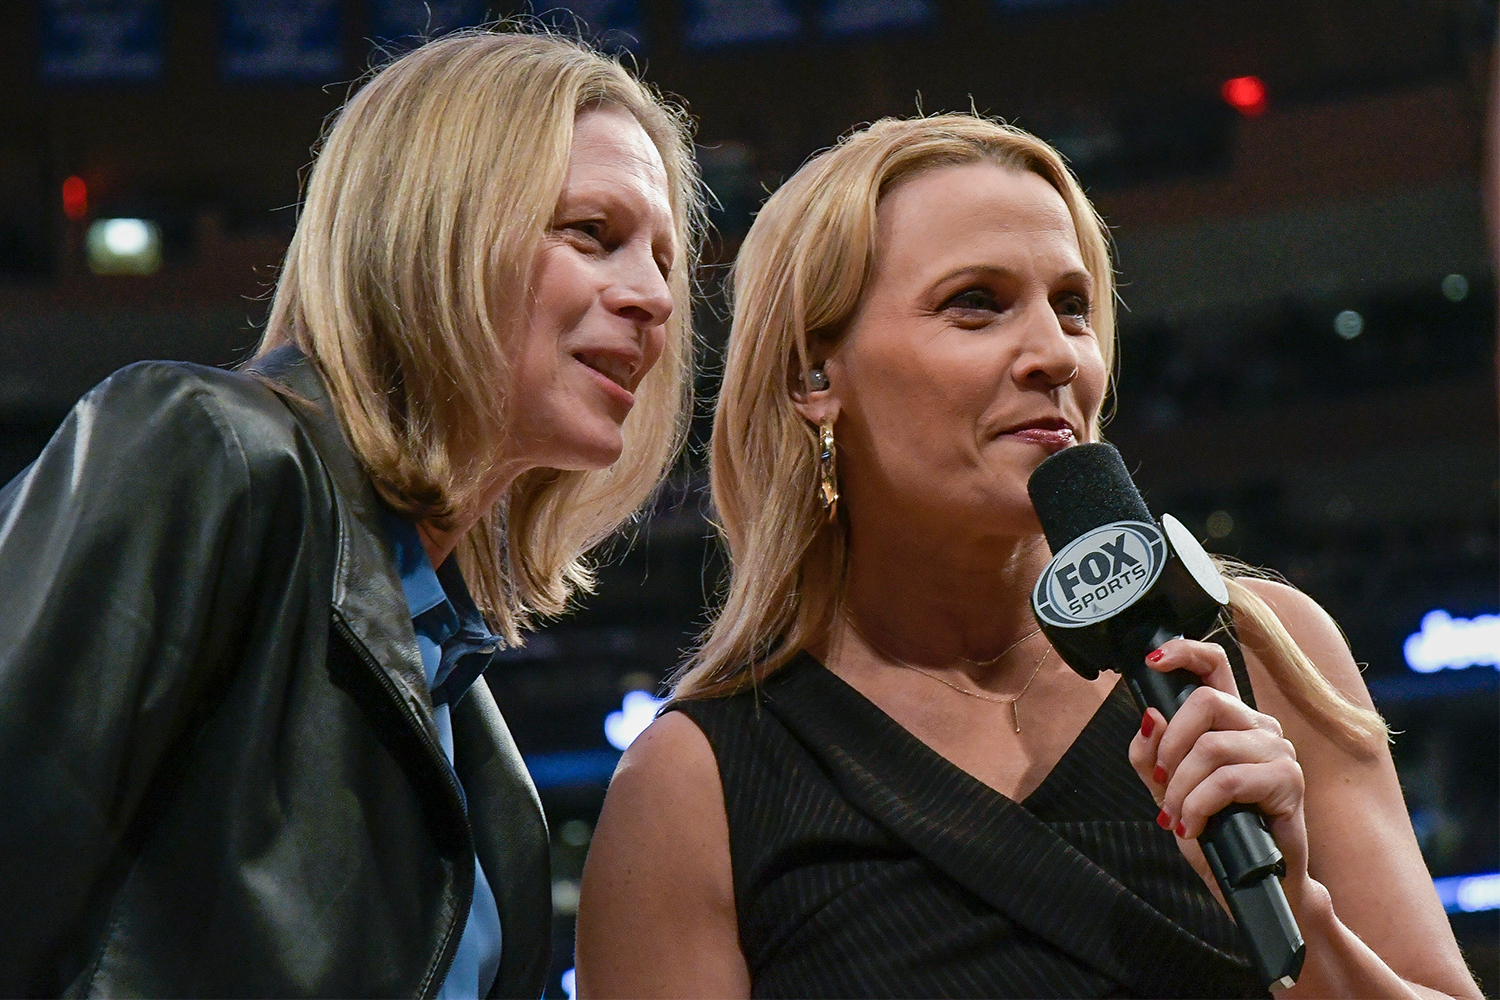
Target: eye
(973,308)
(973,300)
(1075,309)
(590,229)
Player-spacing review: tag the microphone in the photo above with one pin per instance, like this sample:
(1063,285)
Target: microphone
(1118,587)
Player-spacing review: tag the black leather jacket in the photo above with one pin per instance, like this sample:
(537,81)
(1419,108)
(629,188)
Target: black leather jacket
(219,774)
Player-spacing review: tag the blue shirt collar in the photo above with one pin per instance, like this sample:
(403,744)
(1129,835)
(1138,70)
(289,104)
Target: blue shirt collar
(442,611)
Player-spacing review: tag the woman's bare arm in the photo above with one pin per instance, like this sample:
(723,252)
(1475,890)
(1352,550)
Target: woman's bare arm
(1382,915)
(1355,876)
(656,916)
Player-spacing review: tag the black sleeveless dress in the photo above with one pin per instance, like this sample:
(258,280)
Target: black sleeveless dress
(867,865)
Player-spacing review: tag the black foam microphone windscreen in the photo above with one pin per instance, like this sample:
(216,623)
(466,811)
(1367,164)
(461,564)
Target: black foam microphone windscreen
(1081,488)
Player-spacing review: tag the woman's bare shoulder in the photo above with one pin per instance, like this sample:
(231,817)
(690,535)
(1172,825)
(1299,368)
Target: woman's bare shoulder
(656,915)
(668,774)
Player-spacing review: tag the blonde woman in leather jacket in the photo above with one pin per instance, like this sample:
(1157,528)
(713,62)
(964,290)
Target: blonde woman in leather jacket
(246,747)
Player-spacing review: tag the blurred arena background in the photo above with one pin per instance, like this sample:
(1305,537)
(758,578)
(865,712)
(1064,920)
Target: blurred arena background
(1308,334)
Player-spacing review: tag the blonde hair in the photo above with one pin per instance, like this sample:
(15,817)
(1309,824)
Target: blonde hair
(799,279)
(407,282)
(1353,727)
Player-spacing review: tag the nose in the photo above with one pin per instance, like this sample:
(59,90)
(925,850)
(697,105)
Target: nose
(639,291)
(1047,356)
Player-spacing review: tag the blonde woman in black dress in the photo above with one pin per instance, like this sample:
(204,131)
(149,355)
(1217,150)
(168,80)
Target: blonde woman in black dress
(879,779)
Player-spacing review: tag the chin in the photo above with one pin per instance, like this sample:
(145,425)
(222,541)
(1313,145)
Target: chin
(592,455)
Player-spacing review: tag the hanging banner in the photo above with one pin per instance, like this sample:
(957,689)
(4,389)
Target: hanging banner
(851,17)
(709,23)
(405,23)
(281,40)
(100,40)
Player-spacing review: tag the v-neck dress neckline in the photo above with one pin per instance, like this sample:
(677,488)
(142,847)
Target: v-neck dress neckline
(1077,759)
(892,871)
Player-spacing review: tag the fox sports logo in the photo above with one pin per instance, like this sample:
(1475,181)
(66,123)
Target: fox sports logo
(1099,574)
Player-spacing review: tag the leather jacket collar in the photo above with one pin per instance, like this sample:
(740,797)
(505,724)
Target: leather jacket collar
(367,595)
(369,609)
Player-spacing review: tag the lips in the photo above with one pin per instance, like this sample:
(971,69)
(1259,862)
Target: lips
(1051,433)
(618,367)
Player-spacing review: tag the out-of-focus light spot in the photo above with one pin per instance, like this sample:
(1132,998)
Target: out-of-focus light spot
(1445,642)
(1348,324)
(1469,893)
(1455,288)
(635,714)
(570,984)
(575,833)
(75,198)
(123,246)
(1246,94)
(1220,524)
(1339,508)
(126,237)
(564,896)
(1479,892)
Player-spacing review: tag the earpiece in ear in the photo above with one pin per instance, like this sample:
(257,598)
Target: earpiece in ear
(817,379)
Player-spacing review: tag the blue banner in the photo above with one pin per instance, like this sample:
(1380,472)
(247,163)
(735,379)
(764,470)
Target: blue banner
(100,40)
(405,22)
(708,23)
(850,17)
(281,40)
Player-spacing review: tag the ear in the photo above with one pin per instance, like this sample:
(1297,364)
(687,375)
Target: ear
(817,404)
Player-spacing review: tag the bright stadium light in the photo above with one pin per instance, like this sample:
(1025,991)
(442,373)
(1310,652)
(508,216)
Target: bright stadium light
(123,246)
(1448,643)
(635,714)
(1469,893)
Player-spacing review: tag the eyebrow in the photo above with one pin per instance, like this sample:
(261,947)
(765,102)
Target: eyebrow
(991,270)
(604,199)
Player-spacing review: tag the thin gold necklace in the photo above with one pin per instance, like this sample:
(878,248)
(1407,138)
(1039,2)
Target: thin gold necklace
(1015,711)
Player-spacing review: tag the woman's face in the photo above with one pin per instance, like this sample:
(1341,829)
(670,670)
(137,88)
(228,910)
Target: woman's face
(600,301)
(972,357)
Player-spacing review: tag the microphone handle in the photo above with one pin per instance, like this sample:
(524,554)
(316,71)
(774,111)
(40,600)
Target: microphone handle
(1244,858)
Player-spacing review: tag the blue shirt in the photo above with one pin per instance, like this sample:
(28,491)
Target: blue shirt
(456,648)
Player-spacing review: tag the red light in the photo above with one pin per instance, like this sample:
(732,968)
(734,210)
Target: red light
(1246,94)
(75,196)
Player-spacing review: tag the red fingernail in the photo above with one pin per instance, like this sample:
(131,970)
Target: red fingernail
(1180,830)
(1163,820)
(1154,656)
(1147,724)
(1159,775)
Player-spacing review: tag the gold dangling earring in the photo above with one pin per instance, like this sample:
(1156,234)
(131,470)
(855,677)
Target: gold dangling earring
(828,486)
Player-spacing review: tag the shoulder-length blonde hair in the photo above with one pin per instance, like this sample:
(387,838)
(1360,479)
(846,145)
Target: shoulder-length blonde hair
(408,278)
(799,279)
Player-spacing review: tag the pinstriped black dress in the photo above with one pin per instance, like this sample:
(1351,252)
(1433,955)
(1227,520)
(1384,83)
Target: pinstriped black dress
(867,865)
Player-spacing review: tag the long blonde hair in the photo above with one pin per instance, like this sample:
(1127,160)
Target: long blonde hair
(798,281)
(408,279)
